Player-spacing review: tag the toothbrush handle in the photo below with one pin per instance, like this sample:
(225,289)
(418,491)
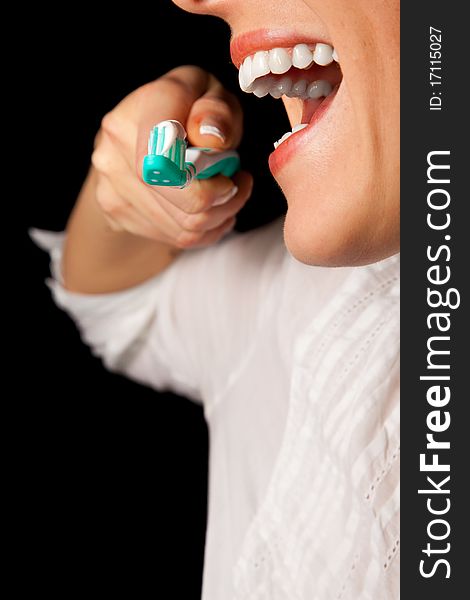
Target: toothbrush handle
(208,163)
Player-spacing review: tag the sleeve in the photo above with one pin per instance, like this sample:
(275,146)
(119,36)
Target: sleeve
(187,329)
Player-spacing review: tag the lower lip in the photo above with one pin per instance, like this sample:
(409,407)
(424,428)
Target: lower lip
(287,149)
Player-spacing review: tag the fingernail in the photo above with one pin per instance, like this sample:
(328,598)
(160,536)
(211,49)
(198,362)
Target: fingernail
(207,128)
(226,197)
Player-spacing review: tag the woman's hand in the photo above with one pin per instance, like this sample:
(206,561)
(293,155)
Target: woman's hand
(198,215)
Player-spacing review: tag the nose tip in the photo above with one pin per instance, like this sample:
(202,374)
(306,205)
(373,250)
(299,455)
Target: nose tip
(194,6)
(202,7)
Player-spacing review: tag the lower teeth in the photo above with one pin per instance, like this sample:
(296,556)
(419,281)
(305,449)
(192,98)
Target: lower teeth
(287,135)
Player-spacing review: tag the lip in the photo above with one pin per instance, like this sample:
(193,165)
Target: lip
(246,44)
(285,151)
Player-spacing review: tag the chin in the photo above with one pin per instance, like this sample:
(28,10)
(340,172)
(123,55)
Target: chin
(336,244)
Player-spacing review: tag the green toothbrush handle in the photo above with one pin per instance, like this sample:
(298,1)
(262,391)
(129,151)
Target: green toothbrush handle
(208,163)
(227,166)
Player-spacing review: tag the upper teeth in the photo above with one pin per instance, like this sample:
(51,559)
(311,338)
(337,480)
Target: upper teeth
(285,87)
(278,61)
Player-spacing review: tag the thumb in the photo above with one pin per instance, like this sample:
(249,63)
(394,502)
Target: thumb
(215,119)
(171,96)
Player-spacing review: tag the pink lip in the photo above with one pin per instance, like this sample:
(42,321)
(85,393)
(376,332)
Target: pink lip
(245,44)
(287,149)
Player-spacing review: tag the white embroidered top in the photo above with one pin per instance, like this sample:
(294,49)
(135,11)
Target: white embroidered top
(297,368)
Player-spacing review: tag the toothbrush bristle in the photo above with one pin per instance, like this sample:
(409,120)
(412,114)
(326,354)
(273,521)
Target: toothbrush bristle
(170,135)
(151,140)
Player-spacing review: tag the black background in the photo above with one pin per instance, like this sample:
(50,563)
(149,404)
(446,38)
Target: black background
(111,478)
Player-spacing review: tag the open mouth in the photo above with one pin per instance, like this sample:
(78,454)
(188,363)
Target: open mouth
(308,73)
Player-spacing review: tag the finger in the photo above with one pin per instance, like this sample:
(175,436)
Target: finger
(199,197)
(169,97)
(215,119)
(201,194)
(192,239)
(216,216)
(118,188)
(155,206)
(112,224)
(110,158)
(121,215)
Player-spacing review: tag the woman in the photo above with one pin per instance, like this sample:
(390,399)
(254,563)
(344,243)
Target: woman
(295,362)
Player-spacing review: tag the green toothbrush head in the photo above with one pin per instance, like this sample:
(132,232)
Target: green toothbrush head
(164,164)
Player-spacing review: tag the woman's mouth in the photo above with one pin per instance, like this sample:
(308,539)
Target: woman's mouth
(307,73)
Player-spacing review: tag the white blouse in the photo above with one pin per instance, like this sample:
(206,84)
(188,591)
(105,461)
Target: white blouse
(297,368)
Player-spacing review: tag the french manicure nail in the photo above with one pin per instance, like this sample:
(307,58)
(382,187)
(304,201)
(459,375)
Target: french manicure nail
(226,197)
(207,128)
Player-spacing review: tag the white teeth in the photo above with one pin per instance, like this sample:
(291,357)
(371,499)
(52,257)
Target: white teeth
(241,76)
(275,92)
(283,139)
(281,87)
(285,85)
(323,54)
(302,56)
(248,72)
(254,70)
(319,88)
(260,64)
(279,61)
(245,76)
(298,89)
(262,86)
(287,135)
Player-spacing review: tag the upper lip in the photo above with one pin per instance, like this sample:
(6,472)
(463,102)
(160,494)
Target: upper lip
(248,43)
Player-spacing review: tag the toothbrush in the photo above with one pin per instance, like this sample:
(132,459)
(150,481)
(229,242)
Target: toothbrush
(170,162)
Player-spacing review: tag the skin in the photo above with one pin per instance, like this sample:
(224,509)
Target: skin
(341,181)
(122,231)
(342,187)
